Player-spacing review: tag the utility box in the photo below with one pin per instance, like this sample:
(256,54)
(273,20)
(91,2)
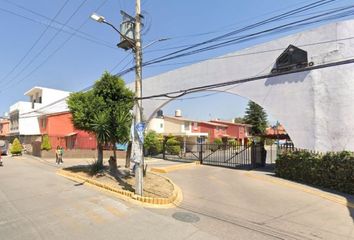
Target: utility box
(127,29)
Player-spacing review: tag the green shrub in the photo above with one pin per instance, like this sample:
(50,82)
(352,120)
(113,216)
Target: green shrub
(16,147)
(46,143)
(232,142)
(218,141)
(331,170)
(173,146)
(153,143)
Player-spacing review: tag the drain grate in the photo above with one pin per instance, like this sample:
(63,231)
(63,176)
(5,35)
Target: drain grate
(186,217)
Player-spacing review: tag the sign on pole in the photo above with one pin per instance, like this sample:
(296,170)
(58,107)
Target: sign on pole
(140,127)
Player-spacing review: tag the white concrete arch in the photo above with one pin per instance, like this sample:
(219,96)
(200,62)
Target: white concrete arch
(316,107)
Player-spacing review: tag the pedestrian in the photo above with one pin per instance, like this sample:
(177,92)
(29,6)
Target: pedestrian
(61,153)
(57,155)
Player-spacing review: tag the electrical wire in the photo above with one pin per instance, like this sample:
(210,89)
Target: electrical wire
(58,48)
(35,43)
(46,45)
(288,26)
(89,36)
(183,92)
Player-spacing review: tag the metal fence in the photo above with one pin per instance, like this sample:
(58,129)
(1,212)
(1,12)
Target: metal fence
(224,155)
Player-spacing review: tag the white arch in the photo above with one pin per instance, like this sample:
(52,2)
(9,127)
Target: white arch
(316,107)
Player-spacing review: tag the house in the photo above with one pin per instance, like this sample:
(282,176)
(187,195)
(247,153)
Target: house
(4,127)
(24,114)
(178,126)
(237,131)
(194,131)
(61,132)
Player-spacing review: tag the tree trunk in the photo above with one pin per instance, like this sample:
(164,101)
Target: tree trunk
(113,161)
(128,154)
(99,153)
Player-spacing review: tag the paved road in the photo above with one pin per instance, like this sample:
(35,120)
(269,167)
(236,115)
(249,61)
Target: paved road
(35,203)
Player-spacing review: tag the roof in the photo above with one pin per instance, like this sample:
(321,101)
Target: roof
(181,119)
(71,134)
(36,89)
(215,124)
(231,123)
(276,131)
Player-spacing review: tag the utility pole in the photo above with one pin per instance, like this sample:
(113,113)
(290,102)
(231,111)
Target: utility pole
(138,103)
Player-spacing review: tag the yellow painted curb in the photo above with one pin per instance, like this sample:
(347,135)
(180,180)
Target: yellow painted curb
(174,200)
(287,183)
(173,167)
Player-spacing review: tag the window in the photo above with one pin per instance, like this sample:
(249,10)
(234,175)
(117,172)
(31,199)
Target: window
(161,125)
(44,123)
(186,126)
(195,125)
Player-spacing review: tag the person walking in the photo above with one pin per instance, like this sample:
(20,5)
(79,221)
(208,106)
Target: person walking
(57,155)
(61,155)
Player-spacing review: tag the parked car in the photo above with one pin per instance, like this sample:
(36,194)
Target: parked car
(4,145)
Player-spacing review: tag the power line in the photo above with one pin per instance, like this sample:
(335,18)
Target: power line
(180,93)
(98,42)
(89,36)
(49,42)
(36,42)
(248,37)
(252,26)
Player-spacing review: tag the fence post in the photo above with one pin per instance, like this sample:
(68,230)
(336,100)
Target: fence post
(201,153)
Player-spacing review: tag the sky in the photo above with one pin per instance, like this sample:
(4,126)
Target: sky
(55,44)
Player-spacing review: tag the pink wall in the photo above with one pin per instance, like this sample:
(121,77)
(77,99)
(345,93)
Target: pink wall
(58,126)
(4,128)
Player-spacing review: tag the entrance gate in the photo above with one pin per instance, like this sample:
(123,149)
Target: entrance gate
(223,155)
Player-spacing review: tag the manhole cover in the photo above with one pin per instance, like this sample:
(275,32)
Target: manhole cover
(186,217)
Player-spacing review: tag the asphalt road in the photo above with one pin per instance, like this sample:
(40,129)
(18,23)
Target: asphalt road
(219,203)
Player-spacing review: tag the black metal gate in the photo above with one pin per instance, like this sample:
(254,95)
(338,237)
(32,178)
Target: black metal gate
(224,155)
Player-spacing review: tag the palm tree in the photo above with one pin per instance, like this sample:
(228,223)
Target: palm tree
(101,128)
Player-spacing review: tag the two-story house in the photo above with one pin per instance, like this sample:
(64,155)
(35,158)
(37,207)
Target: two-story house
(194,131)
(4,127)
(237,131)
(23,115)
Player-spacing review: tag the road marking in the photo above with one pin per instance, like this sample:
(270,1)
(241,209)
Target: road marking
(173,167)
(336,199)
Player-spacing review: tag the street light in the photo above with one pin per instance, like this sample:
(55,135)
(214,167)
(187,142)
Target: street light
(135,45)
(101,19)
(97,17)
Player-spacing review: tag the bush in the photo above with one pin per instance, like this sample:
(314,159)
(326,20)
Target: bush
(217,141)
(232,142)
(173,146)
(16,147)
(153,143)
(331,170)
(46,143)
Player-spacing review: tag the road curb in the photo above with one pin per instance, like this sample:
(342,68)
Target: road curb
(328,196)
(173,167)
(174,200)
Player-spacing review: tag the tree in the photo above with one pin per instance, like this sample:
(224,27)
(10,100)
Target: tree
(257,117)
(46,143)
(239,120)
(16,147)
(153,143)
(105,111)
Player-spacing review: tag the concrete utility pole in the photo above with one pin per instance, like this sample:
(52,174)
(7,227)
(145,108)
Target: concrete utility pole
(138,103)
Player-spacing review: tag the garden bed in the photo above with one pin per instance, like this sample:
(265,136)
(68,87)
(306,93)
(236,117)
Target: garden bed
(155,186)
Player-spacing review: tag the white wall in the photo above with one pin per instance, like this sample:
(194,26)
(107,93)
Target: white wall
(155,125)
(315,107)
